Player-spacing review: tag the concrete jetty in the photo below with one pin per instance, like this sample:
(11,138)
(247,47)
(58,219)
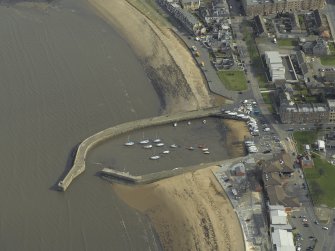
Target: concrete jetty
(92,141)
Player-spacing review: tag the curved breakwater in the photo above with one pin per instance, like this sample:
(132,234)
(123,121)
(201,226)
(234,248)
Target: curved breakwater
(92,141)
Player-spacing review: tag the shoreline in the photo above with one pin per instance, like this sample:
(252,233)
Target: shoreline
(189,211)
(171,69)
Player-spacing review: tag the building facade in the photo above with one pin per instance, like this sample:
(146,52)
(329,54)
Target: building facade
(265,7)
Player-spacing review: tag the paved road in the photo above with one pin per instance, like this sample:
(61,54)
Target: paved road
(214,83)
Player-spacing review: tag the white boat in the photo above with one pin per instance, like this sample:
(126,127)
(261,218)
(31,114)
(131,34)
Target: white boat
(173,146)
(157,140)
(160,144)
(204,121)
(155,157)
(175,124)
(205,149)
(206,152)
(166,152)
(190,148)
(145,141)
(147,146)
(189,122)
(129,143)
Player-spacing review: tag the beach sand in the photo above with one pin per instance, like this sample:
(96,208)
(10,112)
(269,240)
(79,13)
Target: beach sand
(170,67)
(189,211)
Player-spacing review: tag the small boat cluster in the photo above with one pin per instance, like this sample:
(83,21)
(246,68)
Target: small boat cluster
(157,143)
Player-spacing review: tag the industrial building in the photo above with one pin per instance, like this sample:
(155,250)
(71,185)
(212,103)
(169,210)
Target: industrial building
(281,235)
(275,65)
(266,7)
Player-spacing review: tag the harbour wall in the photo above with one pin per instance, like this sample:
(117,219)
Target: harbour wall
(78,166)
(114,175)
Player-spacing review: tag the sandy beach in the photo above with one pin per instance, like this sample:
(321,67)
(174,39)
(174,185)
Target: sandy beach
(189,212)
(170,67)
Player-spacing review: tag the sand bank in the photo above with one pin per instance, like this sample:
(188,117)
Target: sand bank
(189,212)
(170,67)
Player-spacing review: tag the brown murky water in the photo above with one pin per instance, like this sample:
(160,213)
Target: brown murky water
(66,74)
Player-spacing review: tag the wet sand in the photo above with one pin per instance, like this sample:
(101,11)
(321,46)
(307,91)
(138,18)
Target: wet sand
(189,212)
(169,66)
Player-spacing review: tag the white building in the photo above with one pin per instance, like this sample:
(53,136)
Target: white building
(278,217)
(282,240)
(321,145)
(275,65)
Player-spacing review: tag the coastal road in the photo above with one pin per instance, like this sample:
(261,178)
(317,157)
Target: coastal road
(214,83)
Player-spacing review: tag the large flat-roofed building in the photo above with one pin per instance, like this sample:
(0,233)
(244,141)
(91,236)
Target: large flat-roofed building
(275,65)
(265,7)
(282,240)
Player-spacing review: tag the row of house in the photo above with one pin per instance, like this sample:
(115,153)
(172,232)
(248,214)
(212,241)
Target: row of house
(191,23)
(265,7)
(291,112)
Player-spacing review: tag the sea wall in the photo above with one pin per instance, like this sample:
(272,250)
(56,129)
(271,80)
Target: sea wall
(92,141)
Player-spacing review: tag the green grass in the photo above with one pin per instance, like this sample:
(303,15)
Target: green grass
(305,138)
(328,60)
(331,46)
(287,42)
(266,98)
(233,80)
(321,182)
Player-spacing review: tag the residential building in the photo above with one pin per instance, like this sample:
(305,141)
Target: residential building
(275,65)
(190,4)
(329,75)
(301,59)
(260,26)
(331,105)
(319,47)
(191,23)
(266,7)
(291,112)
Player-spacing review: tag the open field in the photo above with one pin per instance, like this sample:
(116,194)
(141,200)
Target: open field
(321,182)
(287,42)
(233,80)
(266,98)
(304,138)
(320,179)
(328,60)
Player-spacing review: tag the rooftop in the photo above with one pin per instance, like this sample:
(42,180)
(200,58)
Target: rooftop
(282,240)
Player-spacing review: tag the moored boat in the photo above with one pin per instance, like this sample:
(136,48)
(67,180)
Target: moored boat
(155,157)
(145,141)
(166,152)
(173,146)
(160,144)
(147,146)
